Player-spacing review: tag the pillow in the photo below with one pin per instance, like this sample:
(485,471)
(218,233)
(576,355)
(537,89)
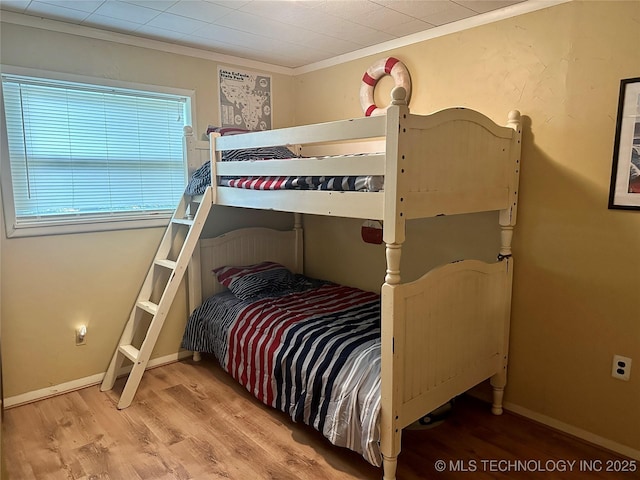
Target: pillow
(253,280)
(226,130)
(260,153)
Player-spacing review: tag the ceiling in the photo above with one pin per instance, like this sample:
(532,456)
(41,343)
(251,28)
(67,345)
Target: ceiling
(286,33)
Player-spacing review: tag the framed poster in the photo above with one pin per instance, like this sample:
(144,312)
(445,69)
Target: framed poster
(245,99)
(624,191)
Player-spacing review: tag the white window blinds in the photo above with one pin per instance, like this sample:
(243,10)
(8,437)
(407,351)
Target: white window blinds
(82,152)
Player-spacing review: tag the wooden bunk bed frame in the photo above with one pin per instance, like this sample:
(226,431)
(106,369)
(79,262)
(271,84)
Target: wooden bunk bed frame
(454,320)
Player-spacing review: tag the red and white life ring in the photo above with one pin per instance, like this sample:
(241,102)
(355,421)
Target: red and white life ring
(387,66)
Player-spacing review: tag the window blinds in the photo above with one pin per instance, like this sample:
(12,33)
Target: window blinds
(90,152)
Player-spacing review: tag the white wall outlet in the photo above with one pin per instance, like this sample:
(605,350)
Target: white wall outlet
(621,368)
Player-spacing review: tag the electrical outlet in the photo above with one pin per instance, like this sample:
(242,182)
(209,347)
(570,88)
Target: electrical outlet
(621,368)
(81,335)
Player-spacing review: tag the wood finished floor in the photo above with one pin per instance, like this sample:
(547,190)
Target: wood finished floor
(191,421)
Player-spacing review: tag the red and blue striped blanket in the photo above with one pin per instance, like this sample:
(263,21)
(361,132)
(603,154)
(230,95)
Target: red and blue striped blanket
(314,354)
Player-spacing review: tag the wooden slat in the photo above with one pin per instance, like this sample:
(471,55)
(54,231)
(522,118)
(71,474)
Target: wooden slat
(170,264)
(343,165)
(431,204)
(182,221)
(129,351)
(357,128)
(148,306)
(365,205)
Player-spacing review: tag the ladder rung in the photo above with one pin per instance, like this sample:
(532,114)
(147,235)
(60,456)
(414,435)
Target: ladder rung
(148,306)
(130,352)
(170,264)
(182,221)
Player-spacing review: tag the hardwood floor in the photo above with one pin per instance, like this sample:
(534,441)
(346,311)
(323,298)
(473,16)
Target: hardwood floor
(192,421)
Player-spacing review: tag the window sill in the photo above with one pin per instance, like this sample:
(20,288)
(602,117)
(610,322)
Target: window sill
(102,225)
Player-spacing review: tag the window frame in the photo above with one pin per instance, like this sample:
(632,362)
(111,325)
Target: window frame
(59,226)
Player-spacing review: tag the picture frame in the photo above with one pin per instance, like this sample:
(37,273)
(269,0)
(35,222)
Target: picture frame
(624,190)
(245,99)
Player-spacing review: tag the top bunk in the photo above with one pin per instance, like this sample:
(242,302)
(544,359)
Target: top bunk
(403,165)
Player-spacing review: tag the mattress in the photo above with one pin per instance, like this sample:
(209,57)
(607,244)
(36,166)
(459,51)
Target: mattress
(363,183)
(310,349)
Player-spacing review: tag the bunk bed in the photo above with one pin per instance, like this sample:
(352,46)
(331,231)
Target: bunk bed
(437,336)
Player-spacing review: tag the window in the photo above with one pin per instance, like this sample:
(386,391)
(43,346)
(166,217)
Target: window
(85,157)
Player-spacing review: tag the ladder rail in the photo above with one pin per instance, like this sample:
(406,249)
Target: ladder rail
(159,311)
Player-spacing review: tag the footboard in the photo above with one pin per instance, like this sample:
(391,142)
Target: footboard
(441,335)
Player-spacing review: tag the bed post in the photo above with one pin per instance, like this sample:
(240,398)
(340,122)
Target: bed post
(391,381)
(507,222)
(299,242)
(394,236)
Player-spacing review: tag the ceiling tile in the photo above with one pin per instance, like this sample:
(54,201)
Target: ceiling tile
(290,13)
(56,12)
(160,5)
(110,23)
(383,18)
(350,9)
(409,28)
(246,22)
(451,13)
(484,6)
(205,11)
(127,11)
(15,5)
(88,6)
(176,23)
(232,4)
(148,31)
(412,8)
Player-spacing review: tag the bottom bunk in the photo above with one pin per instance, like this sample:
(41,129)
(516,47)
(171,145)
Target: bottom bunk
(357,366)
(308,348)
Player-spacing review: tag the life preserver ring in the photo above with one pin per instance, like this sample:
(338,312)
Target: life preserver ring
(387,66)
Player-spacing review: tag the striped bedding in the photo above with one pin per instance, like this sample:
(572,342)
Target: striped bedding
(312,352)
(362,183)
(343,184)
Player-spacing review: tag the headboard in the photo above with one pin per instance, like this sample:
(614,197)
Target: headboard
(247,246)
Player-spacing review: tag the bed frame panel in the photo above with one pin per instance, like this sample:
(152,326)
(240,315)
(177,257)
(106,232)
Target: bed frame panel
(441,335)
(248,246)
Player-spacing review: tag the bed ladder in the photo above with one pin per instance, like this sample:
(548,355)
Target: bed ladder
(157,293)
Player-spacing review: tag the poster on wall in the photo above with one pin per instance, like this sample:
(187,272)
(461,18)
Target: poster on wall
(245,99)
(624,192)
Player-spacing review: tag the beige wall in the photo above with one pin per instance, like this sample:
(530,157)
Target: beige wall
(51,284)
(577,267)
(576,278)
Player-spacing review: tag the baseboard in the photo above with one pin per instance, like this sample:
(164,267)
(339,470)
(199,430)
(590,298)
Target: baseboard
(96,379)
(574,431)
